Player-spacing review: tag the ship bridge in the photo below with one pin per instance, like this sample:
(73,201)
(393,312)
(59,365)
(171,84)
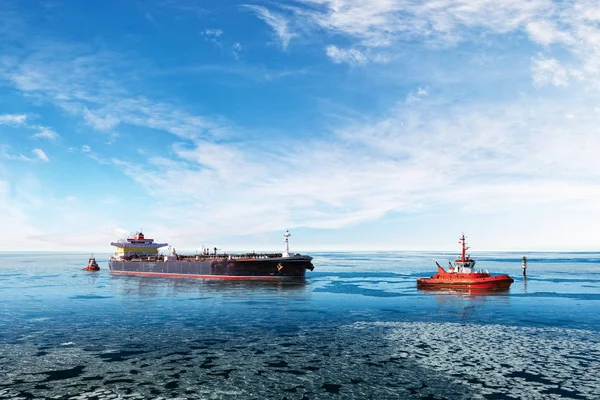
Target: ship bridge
(137,246)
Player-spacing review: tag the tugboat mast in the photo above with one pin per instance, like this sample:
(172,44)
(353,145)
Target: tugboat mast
(462,241)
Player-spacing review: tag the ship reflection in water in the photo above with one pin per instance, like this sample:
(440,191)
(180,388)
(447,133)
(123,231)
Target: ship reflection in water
(149,286)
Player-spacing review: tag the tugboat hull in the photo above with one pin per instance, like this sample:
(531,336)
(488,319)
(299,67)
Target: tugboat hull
(501,282)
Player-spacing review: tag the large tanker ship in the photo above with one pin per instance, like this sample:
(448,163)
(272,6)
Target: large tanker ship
(138,255)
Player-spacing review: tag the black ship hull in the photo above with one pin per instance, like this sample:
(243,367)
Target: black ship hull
(282,268)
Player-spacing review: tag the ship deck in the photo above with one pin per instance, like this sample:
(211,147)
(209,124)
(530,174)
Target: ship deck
(216,257)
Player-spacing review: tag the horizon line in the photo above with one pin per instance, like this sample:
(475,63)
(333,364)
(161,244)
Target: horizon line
(187,251)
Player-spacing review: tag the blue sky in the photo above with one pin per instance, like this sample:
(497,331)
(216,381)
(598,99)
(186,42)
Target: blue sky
(358,125)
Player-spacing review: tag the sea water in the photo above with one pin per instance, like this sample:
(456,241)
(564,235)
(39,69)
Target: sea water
(356,328)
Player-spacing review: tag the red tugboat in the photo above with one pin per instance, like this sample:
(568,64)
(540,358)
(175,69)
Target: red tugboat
(462,275)
(92,264)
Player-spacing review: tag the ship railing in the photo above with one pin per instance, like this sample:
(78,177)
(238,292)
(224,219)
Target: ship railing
(226,256)
(201,257)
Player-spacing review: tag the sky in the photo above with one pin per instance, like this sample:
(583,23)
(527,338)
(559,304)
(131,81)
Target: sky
(357,125)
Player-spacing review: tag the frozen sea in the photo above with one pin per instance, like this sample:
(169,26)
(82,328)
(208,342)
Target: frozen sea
(358,328)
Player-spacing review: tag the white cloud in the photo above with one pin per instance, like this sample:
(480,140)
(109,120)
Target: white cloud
(213,32)
(235,50)
(13,119)
(350,56)
(45,133)
(85,148)
(5,153)
(276,21)
(100,123)
(474,158)
(213,36)
(39,153)
(9,156)
(545,32)
(102,102)
(549,71)
(416,96)
(572,27)
(379,24)
(21,120)
(371,27)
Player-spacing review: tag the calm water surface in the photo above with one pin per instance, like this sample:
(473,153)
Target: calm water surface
(357,328)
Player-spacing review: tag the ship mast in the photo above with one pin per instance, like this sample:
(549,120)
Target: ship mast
(287,234)
(462,241)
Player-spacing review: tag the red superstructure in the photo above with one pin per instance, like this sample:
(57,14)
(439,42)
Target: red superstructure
(139,238)
(462,276)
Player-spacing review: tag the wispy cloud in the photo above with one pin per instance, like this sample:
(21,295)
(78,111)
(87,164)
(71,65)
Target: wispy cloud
(6,154)
(379,24)
(93,91)
(276,21)
(13,119)
(21,120)
(475,158)
(573,27)
(374,26)
(213,32)
(39,153)
(213,36)
(101,123)
(45,133)
(236,49)
(549,71)
(350,56)
(416,96)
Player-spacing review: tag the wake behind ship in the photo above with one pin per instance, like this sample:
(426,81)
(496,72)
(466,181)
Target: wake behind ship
(138,255)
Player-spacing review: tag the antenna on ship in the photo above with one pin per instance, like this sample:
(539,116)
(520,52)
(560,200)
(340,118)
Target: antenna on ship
(287,235)
(462,241)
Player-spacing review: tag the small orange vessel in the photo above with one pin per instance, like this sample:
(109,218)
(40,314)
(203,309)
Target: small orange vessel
(462,275)
(92,264)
